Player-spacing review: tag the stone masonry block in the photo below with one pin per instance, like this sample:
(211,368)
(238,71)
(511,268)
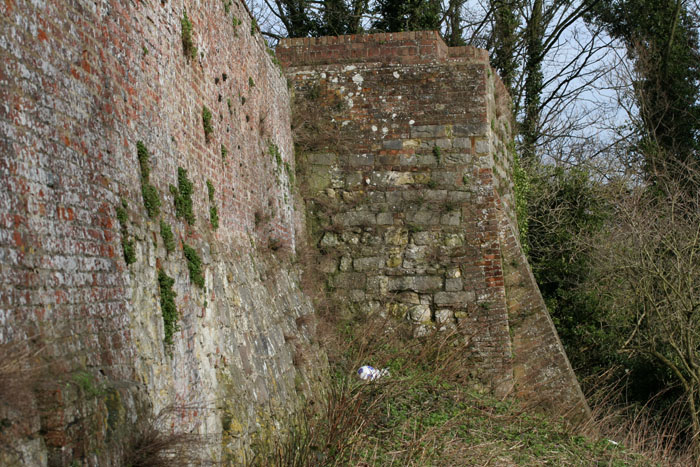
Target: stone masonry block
(454,298)
(428,131)
(355,160)
(322,159)
(385,218)
(367,264)
(414,283)
(355,218)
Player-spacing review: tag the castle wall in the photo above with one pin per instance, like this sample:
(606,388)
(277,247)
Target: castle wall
(80,84)
(404,197)
(405,150)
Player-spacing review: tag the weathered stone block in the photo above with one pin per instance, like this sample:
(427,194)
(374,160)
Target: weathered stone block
(385,218)
(392,144)
(444,316)
(428,131)
(322,159)
(355,160)
(454,298)
(378,285)
(426,238)
(414,283)
(355,218)
(396,236)
(367,264)
(451,218)
(482,146)
(419,314)
(329,240)
(345,263)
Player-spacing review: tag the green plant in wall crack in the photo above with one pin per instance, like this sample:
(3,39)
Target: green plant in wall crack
(127,243)
(87,384)
(187,42)
(194,265)
(151,199)
(182,196)
(166,234)
(167,306)
(437,153)
(275,153)
(206,122)
(213,211)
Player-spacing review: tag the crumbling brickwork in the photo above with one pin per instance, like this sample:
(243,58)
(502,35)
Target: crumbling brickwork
(405,150)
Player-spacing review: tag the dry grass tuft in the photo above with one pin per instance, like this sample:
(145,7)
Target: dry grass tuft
(154,443)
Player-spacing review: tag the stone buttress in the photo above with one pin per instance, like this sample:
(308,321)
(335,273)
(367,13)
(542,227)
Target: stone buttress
(405,150)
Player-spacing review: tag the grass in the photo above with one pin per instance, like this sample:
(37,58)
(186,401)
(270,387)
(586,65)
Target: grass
(155,443)
(429,411)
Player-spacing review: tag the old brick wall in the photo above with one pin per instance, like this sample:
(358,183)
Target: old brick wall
(404,149)
(81,83)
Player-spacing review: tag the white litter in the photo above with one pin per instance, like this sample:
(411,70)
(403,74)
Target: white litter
(369,373)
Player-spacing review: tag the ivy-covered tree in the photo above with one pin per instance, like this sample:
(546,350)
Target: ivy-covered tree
(411,15)
(662,41)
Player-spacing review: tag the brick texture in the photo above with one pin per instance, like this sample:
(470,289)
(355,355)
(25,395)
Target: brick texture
(80,83)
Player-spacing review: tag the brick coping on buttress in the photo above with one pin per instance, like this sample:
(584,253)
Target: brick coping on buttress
(413,47)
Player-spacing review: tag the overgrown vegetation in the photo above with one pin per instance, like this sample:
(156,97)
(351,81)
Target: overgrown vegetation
(427,411)
(167,306)
(194,265)
(182,196)
(154,442)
